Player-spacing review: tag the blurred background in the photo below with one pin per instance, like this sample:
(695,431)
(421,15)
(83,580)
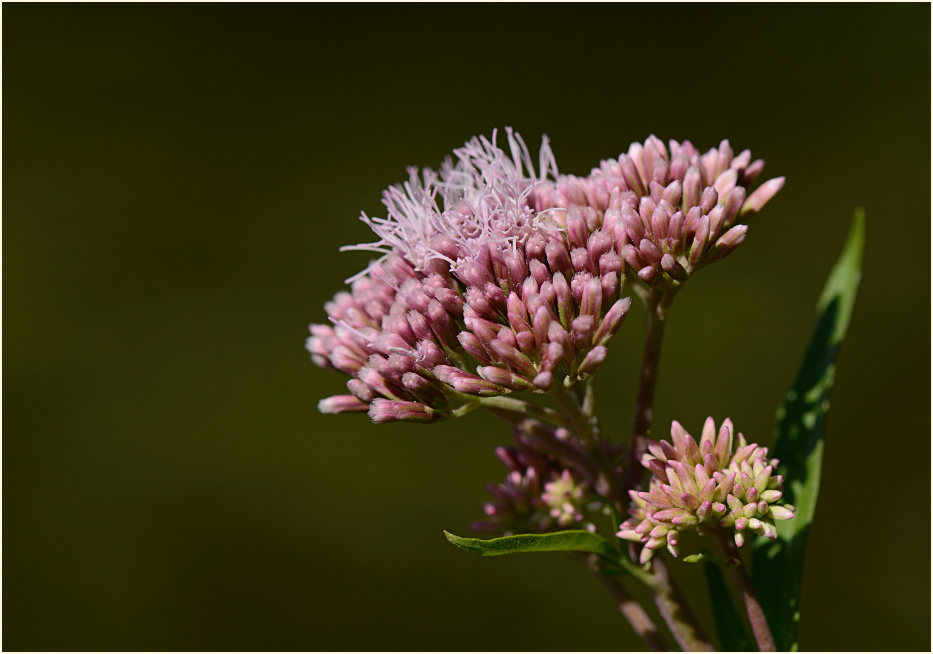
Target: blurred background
(178,179)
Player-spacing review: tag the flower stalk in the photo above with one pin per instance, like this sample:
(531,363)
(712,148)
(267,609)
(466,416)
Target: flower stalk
(756,614)
(641,622)
(678,617)
(538,412)
(658,302)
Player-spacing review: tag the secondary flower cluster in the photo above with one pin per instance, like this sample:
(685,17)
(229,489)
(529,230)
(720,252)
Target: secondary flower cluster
(541,492)
(719,483)
(680,209)
(498,278)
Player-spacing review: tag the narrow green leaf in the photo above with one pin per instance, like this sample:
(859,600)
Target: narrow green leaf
(778,565)
(561,541)
(730,627)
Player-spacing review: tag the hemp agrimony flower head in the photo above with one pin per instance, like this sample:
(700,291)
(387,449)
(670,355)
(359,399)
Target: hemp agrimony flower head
(540,493)
(718,484)
(681,210)
(497,274)
(477,276)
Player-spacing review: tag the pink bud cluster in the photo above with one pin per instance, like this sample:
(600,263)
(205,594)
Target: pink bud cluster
(539,493)
(497,278)
(680,209)
(717,484)
(524,311)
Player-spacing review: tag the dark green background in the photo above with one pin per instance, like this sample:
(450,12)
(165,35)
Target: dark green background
(178,179)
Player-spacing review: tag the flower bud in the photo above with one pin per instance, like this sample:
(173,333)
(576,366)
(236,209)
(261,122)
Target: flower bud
(382,410)
(341,404)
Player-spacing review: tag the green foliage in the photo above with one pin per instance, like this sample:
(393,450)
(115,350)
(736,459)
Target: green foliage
(778,565)
(560,541)
(730,626)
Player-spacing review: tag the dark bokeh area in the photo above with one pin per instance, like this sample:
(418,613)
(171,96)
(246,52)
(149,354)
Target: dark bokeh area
(178,179)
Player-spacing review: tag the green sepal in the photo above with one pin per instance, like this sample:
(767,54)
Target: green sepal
(778,566)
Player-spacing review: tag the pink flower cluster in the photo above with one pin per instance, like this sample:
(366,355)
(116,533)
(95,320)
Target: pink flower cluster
(678,209)
(539,493)
(722,483)
(497,278)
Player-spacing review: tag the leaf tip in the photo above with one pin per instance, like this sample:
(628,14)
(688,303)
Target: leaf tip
(859,224)
(457,541)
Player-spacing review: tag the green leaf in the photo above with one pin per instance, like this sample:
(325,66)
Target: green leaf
(561,541)
(778,565)
(730,627)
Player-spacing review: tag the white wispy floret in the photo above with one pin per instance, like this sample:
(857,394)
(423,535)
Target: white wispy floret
(480,199)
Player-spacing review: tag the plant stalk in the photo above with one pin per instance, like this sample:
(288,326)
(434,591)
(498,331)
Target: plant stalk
(657,303)
(756,614)
(679,619)
(637,616)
